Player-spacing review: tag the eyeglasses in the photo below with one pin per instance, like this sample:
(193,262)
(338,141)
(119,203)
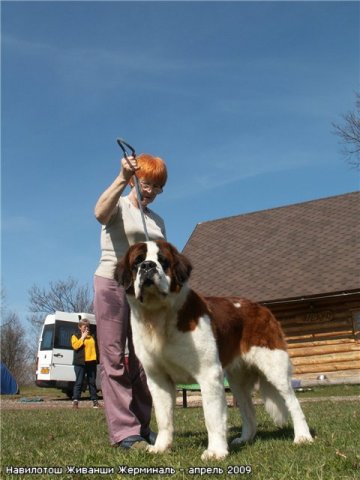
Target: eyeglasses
(149,186)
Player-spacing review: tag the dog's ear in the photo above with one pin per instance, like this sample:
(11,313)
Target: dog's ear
(123,273)
(182,268)
(181,265)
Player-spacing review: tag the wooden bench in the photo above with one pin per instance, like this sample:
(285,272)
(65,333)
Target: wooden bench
(195,387)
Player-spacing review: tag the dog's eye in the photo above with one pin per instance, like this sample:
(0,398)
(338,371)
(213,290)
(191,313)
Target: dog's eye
(139,259)
(164,262)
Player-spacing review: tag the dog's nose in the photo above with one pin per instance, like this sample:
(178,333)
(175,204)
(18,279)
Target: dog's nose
(147,266)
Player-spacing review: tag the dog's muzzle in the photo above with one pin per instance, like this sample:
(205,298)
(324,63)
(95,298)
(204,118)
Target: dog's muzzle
(147,271)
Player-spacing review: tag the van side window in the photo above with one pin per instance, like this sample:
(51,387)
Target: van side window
(47,337)
(93,330)
(63,333)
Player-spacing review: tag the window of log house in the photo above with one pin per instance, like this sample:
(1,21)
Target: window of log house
(356,324)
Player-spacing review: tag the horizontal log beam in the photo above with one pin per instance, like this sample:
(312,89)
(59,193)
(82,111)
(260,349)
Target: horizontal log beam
(338,375)
(332,358)
(315,343)
(324,349)
(321,335)
(323,368)
(318,327)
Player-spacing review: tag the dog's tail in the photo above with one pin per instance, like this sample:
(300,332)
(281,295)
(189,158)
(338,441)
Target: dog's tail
(273,402)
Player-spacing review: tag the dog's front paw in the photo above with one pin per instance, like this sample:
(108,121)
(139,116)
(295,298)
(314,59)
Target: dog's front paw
(157,448)
(162,444)
(303,439)
(214,455)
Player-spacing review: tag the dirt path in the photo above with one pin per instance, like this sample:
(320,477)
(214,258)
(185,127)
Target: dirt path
(192,401)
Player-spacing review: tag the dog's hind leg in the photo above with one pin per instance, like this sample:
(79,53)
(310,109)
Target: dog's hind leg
(242,381)
(275,365)
(163,392)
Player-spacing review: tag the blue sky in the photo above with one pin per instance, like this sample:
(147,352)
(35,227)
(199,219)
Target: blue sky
(237,97)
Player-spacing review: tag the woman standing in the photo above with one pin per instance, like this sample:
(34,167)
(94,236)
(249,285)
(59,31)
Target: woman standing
(85,362)
(127,400)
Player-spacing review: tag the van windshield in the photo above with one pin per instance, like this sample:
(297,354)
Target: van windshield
(47,337)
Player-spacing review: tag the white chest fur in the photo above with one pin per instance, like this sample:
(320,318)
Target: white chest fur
(160,345)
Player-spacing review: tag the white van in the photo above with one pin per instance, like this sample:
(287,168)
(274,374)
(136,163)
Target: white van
(55,355)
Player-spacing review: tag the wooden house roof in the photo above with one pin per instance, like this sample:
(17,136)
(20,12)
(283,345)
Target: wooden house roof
(301,250)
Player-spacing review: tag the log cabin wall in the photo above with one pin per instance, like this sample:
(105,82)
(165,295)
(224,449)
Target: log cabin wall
(302,261)
(323,338)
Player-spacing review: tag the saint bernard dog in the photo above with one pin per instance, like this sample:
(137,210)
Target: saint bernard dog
(183,337)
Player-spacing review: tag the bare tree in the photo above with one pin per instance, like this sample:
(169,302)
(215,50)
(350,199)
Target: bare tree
(15,352)
(63,295)
(349,134)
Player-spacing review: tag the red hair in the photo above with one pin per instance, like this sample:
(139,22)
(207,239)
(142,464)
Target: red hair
(152,169)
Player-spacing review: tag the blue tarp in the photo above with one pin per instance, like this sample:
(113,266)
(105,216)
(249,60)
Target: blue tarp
(8,382)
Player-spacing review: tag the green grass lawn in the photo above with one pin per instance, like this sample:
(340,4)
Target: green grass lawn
(62,437)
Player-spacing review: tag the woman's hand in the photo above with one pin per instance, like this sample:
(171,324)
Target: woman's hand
(85,333)
(128,167)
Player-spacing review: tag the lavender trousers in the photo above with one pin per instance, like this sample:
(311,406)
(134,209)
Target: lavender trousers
(127,399)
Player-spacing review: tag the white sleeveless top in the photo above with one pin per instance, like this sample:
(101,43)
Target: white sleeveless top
(123,230)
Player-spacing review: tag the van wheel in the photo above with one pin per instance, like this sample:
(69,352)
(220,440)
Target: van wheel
(68,393)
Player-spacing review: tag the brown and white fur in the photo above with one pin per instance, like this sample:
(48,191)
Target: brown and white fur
(182,337)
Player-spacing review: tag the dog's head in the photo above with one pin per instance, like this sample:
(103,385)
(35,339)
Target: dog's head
(154,269)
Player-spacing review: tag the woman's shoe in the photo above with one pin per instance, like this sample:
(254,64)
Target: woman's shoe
(133,442)
(151,438)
